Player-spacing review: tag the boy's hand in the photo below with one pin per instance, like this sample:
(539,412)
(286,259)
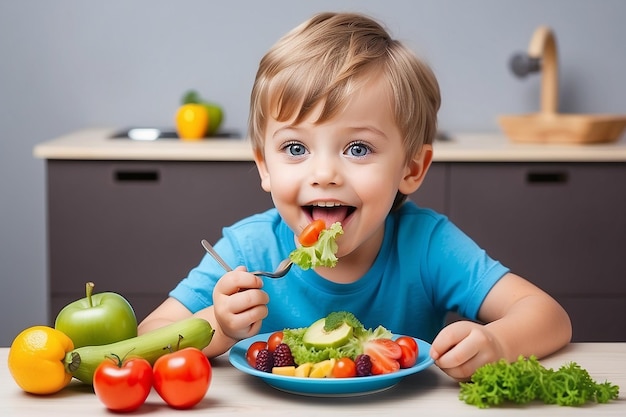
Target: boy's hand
(239,304)
(464,346)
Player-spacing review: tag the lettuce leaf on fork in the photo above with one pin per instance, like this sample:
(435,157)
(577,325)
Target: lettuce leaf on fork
(322,253)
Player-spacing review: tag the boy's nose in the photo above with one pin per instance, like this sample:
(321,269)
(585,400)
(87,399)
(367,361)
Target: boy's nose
(325,171)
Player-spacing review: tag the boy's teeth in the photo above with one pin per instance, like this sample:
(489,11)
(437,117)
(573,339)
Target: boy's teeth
(337,214)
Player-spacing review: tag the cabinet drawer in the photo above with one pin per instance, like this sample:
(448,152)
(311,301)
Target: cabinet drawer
(561,225)
(135,227)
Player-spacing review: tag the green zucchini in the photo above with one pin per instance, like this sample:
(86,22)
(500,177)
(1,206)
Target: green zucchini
(191,332)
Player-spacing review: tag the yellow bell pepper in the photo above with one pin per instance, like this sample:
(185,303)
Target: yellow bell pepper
(192,121)
(36,360)
(215,111)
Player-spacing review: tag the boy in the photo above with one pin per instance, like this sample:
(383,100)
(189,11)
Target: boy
(342,122)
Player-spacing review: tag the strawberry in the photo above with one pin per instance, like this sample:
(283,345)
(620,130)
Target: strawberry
(384,354)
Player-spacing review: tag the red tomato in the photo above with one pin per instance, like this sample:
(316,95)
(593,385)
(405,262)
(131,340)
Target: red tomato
(182,378)
(408,357)
(409,351)
(344,368)
(253,351)
(274,340)
(407,341)
(123,385)
(311,233)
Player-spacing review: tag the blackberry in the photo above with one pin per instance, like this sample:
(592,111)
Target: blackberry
(264,361)
(363,365)
(283,356)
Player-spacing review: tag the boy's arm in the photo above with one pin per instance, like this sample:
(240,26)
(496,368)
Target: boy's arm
(240,312)
(521,320)
(171,310)
(527,320)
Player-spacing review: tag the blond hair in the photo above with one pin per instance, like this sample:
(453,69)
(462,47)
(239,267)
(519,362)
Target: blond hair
(328,57)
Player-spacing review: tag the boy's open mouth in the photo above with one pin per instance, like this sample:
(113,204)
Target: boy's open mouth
(329,212)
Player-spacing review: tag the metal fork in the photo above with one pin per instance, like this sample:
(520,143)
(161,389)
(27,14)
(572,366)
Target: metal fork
(283,267)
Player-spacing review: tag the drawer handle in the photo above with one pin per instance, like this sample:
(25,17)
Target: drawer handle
(136,176)
(546,177)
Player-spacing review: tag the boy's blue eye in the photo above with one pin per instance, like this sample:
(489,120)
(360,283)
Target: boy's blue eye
(295,149)
(358,149)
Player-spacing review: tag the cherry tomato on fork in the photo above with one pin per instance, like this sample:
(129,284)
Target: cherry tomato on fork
(311,233)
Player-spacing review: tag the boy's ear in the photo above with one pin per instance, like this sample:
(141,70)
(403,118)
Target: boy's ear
(416,170)
(259,160)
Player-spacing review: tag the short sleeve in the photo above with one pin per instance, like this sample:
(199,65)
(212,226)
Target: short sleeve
(462,273)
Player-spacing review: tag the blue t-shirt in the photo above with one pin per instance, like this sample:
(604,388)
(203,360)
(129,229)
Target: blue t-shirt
(426,268)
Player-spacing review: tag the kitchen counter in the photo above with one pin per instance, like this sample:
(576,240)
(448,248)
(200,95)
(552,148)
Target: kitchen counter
(428,393)
(96,144)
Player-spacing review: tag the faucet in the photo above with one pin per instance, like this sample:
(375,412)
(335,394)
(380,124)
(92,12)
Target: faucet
(541,56)
(547,126)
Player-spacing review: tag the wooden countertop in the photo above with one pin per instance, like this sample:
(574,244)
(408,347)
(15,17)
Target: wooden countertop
(96,144)
(427,393)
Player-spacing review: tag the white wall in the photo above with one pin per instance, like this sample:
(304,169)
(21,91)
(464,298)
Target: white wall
(72,64)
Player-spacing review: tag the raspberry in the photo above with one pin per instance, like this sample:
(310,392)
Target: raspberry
(283,356)
(264,361)
(363,365)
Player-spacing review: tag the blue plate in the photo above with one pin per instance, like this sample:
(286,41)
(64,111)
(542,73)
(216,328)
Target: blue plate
(342,387)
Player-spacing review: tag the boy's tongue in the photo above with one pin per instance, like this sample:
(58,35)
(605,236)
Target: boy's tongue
(330,215)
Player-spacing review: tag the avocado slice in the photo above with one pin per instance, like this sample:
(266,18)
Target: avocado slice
(316,337)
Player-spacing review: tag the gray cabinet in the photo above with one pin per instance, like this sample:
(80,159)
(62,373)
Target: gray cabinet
(135,227)
(560,225)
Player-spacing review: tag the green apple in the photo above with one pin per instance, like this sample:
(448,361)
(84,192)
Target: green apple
(97,319)
(216,114)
